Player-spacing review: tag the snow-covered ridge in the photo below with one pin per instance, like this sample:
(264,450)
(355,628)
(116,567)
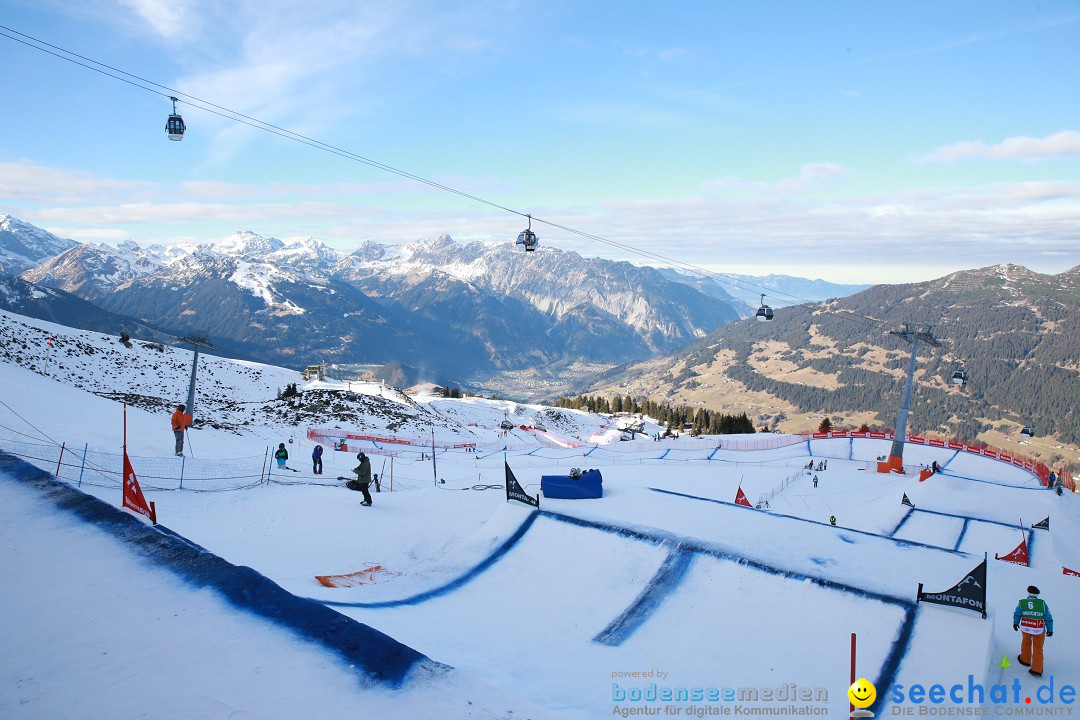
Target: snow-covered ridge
(22,245)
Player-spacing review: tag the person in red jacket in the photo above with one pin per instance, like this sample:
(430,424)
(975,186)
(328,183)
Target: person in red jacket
(180,422)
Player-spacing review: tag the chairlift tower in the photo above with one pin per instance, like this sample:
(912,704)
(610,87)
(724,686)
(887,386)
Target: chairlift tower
(896,455)
(196,342)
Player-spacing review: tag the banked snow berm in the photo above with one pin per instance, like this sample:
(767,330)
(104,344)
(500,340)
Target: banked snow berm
(379,658)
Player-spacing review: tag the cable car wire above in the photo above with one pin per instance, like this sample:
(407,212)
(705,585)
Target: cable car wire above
(207,106)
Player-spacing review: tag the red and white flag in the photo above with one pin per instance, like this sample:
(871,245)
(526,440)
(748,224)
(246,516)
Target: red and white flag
(740,498)
(134,499)
(1019,556)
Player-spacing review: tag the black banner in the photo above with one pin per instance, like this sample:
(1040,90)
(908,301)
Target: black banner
(969,593)
(515,492)
(1042,524)
(907,502)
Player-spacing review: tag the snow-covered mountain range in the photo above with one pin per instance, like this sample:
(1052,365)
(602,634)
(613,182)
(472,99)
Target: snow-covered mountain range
(457,310)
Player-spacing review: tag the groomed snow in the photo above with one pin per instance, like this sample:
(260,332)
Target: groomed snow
(539,613)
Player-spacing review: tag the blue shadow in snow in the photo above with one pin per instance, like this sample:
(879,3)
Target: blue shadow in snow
(900,543)
(667,578)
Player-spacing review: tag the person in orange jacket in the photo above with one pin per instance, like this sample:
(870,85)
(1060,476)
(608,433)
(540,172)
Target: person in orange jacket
(180,422)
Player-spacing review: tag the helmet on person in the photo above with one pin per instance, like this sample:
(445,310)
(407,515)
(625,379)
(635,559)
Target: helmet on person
(360,455)
(281,445)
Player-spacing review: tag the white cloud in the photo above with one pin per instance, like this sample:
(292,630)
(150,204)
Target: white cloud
(1062,144)
(781,224)
(811,176)
(27,181)
(171,19)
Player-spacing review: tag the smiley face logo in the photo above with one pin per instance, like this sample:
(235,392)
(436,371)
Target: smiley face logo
(862,693)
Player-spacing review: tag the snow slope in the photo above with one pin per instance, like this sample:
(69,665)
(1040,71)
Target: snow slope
(541,613)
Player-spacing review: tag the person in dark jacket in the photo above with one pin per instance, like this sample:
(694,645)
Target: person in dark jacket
(281,455)
(316,460)
(363,476)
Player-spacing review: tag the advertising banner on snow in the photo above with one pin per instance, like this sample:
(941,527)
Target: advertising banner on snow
(514,490)
(134,499)
(1019,556)
(969,593)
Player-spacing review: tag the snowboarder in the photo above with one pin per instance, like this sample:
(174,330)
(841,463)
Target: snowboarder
(363,476)
(281,455)
(815,481)
(832,519)
(1051,481)
(1033,615)
(180,422)
(1058,485)
(316,460)
(935,468)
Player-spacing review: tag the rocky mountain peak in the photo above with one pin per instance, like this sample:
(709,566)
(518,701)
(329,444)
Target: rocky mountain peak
(244,243)
(22,246)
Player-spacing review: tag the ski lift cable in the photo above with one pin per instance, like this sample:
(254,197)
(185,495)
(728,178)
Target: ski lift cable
(288,134)
(236,116)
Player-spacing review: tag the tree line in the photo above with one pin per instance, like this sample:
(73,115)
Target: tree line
(677,418)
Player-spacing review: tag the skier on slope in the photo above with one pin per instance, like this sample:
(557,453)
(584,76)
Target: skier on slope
(363,476)
(281,455)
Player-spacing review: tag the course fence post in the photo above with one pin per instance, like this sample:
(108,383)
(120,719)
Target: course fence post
(60,460)
(83,465)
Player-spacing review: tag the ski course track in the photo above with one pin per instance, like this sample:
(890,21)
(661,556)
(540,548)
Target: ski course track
(674,561)
(966,523)
(382,659)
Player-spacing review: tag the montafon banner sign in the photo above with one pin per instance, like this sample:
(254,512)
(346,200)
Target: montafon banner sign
(514,490)
(969,593)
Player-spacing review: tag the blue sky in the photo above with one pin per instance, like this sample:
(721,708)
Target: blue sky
(853,141)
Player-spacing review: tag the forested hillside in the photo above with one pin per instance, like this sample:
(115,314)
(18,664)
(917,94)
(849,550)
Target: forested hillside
(1016,333)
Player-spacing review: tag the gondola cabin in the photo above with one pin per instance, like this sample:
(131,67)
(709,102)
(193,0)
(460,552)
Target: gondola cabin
(959,377)
(1027,431)
(528,239)
(175,126)
(764,313)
